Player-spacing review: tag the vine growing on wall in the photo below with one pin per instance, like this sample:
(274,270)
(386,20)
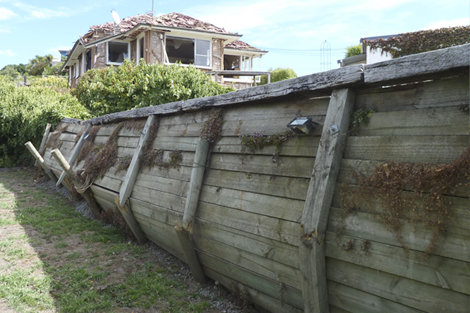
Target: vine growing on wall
(426,205)
(212,128)
(421,41)
(257,141)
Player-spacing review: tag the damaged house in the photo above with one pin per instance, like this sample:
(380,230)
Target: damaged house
(168,39)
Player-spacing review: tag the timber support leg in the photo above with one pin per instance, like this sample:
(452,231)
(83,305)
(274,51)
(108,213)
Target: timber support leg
(40,161)
(130,221)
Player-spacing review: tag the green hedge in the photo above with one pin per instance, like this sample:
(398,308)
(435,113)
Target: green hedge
(24,113)
(109,90)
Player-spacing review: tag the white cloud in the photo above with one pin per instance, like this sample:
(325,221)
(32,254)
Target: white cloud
(6,14)
(450,23)
(42,13)
(7,53)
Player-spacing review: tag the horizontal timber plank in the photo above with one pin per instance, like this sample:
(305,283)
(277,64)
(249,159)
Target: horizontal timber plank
(276,229)
(152,211)
(357,301)
(449,121)
(282,208)
(418,65)
(425,149)
(258,298)
(261,246)
(305,146)
(391,259)
(67,137)
(434,94)
(287,187)
(162,199)
(181,173)
(287,166)
(161,240)
(74,128)
(108,183)
(173,186)
(104,193)
(175,143)
(249,261)
(366,226)
(366,168)
(267,286)
(107,130)
(398,289)
(105,204)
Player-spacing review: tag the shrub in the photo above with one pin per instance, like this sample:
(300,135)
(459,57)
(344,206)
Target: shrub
(24,113)
(353,50)
(126,87)
(278,74)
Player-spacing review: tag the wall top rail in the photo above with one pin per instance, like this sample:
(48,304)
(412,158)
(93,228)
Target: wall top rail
(415,67)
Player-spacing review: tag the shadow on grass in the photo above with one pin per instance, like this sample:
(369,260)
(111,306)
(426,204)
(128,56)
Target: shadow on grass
(53,259)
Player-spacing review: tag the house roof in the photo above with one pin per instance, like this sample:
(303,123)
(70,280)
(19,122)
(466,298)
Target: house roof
(176,20)
(241,45)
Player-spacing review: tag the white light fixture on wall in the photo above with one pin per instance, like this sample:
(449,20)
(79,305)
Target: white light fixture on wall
(302,125)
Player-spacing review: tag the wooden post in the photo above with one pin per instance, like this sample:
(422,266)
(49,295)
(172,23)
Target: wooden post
(75,152)
(130,221)
(134,167)
(318,201)
(42,147)
(40,160)
(184,233)
(195,184)
(87,194)
(186,242)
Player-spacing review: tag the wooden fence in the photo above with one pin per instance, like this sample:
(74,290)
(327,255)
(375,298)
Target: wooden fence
(278,231)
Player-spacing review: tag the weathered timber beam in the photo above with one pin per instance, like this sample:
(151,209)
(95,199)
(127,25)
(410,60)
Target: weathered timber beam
(187,244)
(42,147)
(134,167)
(329,80)
(184,233)
(195,184)
(418,65)
(130,221)
(87,194)
(75,152)
(40,160)
(318,201)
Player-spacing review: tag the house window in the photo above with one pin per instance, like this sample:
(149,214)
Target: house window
(189,51)
(140,50)
(117,52)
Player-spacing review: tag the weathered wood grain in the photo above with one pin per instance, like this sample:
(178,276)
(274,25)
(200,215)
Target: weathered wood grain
(134,167)
(173,186)
(449,121)
(424,149)
(163,199)
(318,201)
(357,301)
(40,160)
(280,230)
(391,259)
(285,187)
(302,146)
(398,289)
(259,164)
(431,94)
(176,143)
(287,294)
(259,298)
(263,247)
(262,266)
(161,239)
(366,226)
(418,65)
(286,209)
(187,245)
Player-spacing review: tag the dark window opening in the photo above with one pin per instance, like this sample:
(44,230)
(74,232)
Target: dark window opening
(117,51)
(188,51)
(88,60)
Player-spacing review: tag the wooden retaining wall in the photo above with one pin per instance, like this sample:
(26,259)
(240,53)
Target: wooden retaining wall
(275,231)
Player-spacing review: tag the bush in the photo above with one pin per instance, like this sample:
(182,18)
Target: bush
(278,74)
(109,90)
(24,113)
(353,50)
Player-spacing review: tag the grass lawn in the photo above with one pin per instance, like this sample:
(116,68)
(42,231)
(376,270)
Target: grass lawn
(53,259)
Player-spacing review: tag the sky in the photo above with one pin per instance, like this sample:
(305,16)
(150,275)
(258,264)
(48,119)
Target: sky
(293,31)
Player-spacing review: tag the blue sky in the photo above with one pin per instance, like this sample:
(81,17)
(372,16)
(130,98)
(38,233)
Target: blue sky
(292,30)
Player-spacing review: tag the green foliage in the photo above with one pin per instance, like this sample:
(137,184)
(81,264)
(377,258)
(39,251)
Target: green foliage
(278,74)
(10,72)
(353,50)
(24,113)
(51,81)
(422,41)
(126,87)
(212,128)
(38,64)
(257,141)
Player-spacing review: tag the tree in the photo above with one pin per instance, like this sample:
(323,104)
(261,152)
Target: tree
(10,72)
(39,63)
(278,74)
(353,50)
